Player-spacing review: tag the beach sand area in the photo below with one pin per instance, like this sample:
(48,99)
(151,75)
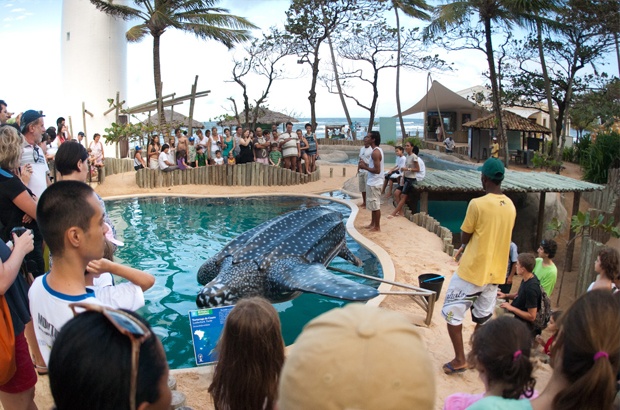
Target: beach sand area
(413,250)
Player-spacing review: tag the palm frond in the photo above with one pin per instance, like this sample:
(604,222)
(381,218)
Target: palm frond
(414,8)
(228,37)
(117,10)
(219,19)
(137,33)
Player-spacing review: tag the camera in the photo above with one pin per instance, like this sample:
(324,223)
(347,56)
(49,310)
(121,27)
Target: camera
(19,230)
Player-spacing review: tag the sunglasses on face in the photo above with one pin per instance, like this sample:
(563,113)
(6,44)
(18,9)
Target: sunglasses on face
(127,325)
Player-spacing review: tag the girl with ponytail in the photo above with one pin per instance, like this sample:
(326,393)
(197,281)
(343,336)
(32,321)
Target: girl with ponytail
(585,356)
(501,354)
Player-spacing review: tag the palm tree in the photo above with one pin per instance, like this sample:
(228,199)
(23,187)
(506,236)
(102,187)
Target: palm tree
(199,17)
(501,12)
(412,8)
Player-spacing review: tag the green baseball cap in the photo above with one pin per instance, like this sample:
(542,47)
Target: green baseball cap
(493,168)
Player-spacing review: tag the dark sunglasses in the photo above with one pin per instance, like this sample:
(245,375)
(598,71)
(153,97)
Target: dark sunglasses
(129,326)
(36,155)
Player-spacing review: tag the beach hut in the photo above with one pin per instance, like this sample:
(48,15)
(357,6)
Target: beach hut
(441,104)
(173,120)
(265,119)
(524,136)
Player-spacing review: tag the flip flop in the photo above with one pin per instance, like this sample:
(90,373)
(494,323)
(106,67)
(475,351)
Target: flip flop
(449,369)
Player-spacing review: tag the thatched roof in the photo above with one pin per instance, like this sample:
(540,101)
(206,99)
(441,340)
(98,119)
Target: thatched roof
(512,122)
(514,181)
(265,116)
(173,119)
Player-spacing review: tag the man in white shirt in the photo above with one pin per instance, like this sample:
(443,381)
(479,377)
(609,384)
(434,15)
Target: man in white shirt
(163,160)
(80,139)
(374,181)
(362,174)
(238,136)
(33,128)
(71,220)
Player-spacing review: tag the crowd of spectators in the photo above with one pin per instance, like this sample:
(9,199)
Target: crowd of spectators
(297,151)
(102,355)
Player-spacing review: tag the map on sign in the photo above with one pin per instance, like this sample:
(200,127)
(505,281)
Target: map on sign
(206,326)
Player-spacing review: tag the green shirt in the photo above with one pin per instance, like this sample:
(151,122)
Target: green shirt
(275,156)
(547,275)
(496,402)
(202,159)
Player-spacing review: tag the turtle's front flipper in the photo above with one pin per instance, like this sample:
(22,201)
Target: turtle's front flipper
(346,254)
(288,275)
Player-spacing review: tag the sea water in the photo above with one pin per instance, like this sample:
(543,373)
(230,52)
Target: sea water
(171,237)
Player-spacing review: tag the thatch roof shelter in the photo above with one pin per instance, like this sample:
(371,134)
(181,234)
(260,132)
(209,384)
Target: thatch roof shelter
(173,119)
(265,116)
(512,122)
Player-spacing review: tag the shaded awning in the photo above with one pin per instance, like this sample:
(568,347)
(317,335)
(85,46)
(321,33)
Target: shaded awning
(446,99)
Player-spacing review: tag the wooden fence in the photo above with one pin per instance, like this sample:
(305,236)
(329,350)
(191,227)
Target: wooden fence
(607,199)
(251,174)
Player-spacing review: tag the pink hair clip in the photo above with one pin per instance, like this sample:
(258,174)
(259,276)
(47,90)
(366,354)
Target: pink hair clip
(600,354)
(516,355)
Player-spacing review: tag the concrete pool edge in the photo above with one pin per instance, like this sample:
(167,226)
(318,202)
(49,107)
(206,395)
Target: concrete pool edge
(387,265)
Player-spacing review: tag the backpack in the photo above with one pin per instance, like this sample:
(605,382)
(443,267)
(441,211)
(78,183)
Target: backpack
(543,315)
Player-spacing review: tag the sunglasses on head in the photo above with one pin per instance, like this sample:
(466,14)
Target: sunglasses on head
(127,325)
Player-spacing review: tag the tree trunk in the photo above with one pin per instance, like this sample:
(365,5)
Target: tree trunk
(337,78)
(375,97)
(543,64)
(497,106)
(617,51)
(400,115)
(312,96)
(157,78)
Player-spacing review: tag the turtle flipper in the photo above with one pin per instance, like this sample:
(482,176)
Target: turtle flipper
(295,275)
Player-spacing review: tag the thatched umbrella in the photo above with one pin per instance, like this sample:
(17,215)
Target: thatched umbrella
(265,116)
(173,120)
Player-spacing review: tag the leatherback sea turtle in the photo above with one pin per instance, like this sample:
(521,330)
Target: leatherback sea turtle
(281,258)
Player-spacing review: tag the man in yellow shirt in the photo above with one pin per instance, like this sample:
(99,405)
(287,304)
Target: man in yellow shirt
(494,148)
(485,234)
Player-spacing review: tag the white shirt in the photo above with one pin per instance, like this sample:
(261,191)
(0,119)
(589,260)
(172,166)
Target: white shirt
(34,156)
(365,153)
(125,295)
(376,179)
(419,176)
(163,157)
(50,311)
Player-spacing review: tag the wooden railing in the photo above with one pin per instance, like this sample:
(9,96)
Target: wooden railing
(252,174)
(339,141)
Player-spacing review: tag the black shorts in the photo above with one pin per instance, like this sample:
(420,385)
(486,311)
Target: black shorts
(408,187)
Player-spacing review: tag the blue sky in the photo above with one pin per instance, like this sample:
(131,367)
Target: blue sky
(31,33)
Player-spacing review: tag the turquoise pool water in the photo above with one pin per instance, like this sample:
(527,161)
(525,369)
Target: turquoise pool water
(171,237)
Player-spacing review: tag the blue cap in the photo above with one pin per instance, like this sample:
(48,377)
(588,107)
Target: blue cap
(28,117)
(192,139)
(138,148)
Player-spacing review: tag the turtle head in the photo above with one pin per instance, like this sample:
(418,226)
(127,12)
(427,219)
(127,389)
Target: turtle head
(208,271)
(214,295)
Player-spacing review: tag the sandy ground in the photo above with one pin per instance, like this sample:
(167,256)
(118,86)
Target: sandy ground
(413,250)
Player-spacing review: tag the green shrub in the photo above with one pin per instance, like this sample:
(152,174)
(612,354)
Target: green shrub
(601,155)
(568,155)
(546,162)
(581,147)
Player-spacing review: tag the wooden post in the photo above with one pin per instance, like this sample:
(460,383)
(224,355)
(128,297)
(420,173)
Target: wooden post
(331,172)
(541,217)
(191,107)
(424,201)
(71,127)
(344,171)
(570,250)
(84,122)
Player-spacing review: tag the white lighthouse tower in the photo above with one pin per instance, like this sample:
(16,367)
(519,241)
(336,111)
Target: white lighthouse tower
(94,66)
